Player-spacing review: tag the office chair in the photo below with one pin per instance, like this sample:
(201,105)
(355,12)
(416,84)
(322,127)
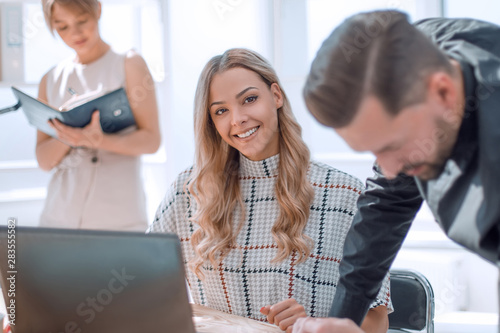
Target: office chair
(413,301)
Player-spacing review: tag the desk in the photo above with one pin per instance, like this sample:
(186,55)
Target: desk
(208,320)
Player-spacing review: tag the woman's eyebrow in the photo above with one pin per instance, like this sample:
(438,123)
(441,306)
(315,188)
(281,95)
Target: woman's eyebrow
(238,95)
(77,16)
(244,91)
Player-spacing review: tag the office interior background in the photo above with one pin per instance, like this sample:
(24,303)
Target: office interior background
(177,38)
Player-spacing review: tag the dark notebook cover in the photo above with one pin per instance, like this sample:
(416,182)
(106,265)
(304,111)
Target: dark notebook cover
(115,112)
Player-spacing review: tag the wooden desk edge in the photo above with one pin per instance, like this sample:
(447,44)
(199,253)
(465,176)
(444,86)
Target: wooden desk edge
(207,317)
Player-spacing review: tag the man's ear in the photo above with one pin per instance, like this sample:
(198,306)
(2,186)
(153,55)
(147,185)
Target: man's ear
(443,89)
(277,95)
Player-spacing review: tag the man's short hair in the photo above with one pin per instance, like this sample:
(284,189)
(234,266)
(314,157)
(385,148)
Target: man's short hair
(376,53)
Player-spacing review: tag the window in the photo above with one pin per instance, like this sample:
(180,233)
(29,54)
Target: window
(486,10)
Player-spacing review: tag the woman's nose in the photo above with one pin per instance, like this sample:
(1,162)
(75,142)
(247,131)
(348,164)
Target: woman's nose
(238,117)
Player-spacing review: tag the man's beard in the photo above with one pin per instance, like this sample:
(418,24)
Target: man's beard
(444,149)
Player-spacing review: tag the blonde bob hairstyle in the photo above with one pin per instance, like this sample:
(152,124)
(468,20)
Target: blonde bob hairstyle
(214,182)
(91,7)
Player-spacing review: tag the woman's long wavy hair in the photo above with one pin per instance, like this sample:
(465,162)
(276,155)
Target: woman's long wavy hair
(214,182)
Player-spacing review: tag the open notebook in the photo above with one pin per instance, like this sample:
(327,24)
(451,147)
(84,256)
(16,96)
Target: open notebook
(115,111)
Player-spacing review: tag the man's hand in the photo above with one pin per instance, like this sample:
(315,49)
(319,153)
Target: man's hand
(284,314)
(89,136)
(325,325)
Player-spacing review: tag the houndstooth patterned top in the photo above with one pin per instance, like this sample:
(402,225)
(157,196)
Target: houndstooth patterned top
(246,280)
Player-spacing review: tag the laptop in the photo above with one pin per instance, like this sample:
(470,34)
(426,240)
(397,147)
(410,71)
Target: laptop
(93,281)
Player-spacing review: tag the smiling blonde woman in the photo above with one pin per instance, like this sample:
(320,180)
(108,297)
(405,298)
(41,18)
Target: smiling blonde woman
(261,226)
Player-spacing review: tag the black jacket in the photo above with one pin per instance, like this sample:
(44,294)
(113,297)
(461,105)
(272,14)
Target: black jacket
(465,198)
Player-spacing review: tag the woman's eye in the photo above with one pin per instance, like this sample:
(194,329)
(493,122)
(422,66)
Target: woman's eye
(62,28)
(218,112)
(83,22)
(251,99)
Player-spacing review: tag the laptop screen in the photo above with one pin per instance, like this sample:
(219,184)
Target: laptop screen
(94,281)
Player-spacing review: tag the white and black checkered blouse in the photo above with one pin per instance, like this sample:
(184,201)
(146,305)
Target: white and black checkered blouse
(246,280)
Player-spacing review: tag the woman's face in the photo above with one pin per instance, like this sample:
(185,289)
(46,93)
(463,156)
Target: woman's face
(79,30)
(244,111)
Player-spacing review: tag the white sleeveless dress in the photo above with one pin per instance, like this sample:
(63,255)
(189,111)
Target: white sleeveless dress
(93,189)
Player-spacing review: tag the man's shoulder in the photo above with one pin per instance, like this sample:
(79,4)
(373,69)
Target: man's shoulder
(451,28)
(472,41)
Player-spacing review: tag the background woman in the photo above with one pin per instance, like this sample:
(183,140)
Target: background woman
(96,183)
(261,226)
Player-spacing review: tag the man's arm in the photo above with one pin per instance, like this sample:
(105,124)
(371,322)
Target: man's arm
(385,212)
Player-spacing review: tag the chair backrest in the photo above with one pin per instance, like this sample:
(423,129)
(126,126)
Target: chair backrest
(413,301)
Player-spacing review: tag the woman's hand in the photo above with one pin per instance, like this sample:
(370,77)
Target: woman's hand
(284,314)
(90,136)
(325,325)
